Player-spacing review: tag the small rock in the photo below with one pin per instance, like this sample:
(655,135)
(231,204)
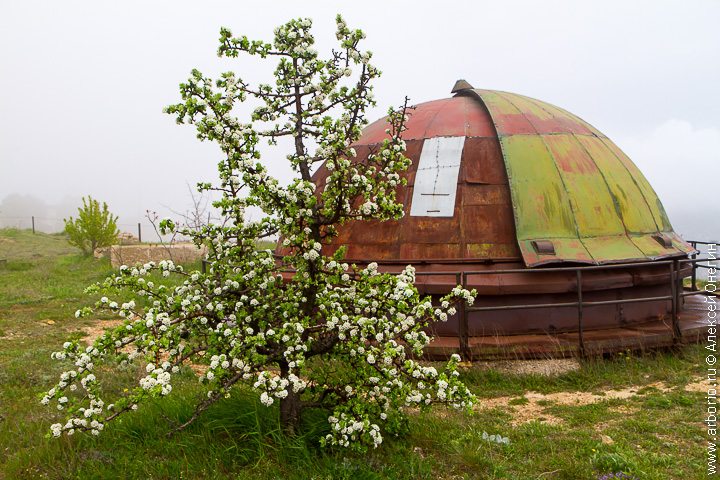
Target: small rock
(606,440)
(50,322)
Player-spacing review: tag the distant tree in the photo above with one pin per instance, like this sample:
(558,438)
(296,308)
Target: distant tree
(94,228)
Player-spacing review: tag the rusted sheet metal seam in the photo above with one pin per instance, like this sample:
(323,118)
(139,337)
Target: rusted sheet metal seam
(475,93)
(616,203)
(562,181)
(573,210)
(634,180)
(568,202)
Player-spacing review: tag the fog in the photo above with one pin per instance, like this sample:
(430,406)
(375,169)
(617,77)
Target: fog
(83,84)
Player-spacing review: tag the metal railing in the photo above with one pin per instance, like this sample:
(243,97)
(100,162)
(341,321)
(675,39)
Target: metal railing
(675,268)
(694,244)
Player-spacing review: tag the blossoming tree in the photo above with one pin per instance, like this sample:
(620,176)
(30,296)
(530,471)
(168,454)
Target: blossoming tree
(304,330)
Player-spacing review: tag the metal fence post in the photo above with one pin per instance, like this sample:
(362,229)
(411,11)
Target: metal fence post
(674,278)
(693,286)
(33,224)
(139,233)
(581,340)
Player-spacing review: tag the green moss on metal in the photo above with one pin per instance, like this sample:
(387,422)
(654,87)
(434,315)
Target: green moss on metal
(572,185)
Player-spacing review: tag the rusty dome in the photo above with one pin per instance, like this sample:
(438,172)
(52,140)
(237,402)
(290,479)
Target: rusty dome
(498,176)
(510,196)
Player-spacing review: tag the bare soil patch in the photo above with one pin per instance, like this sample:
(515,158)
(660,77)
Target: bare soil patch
(521,413)
(9,335)
(96,330)
(537,403)
(701,385)
(546,367)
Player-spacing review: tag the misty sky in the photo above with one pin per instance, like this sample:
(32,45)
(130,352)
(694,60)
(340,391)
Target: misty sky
(83,84)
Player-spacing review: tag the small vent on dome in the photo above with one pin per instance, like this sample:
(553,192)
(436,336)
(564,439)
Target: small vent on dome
(662,240)
(461,85)
(543,247)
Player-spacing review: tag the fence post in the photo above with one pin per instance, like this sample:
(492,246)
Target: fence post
(33,224)
(674,278)
(139,233)
(462,321)
(693,286)
(581,339)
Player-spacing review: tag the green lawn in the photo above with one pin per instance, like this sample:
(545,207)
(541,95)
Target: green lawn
(654,433)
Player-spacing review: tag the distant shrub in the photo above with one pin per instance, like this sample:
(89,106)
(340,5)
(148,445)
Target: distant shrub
(94,228)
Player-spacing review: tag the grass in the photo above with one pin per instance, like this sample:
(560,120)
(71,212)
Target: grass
(265,245)
(655,434)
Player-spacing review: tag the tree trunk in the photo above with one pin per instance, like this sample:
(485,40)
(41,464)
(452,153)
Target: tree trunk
(289,406)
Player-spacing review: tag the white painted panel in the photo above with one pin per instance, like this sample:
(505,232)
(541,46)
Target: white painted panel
(436,178)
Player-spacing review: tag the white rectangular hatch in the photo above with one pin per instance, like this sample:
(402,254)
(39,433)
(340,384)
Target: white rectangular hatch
(436,178)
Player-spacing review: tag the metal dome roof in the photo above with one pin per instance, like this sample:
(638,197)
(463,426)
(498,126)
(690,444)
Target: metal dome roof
(497,175)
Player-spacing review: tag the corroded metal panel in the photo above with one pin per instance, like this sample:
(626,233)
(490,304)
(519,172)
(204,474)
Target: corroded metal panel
(654,250)
(448,117)
(374,251)
(473,194)
(377,232)
(549,119)
(482,162)
(507,118)
(588,192)
(612,248)
(430,250)
(487,224)
(436,177)
(566,250)
(459,119)
(650,247)
(651,198)
(412,151)
(630,202)
(572,186)
(540,200)
(427,230)
(491,250)
(416,126)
